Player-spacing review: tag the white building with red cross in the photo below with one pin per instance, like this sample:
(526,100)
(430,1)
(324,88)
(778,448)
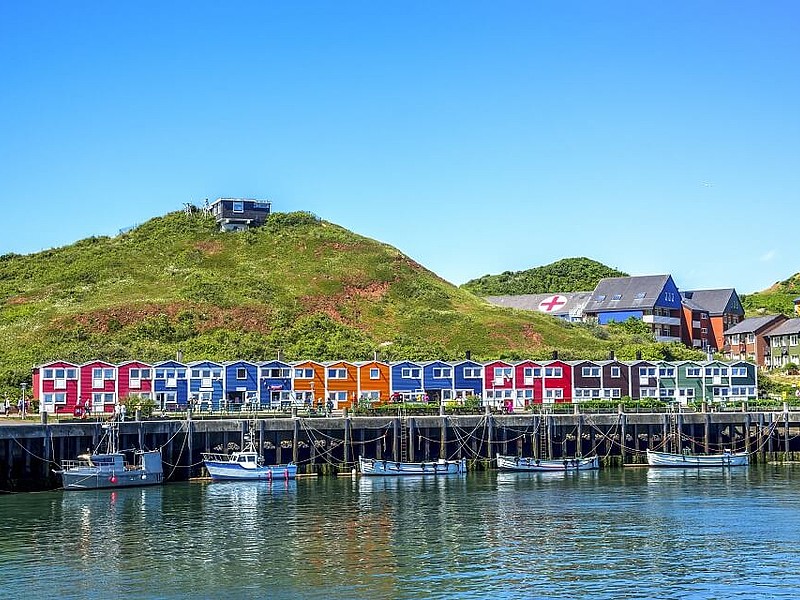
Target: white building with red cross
(565,305)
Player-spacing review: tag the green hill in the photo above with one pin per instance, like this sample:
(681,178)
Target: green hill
(777,299)
(299,284)
(566,275)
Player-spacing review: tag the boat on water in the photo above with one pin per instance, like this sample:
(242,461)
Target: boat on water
(111,469)
(519,464)
(724,459)
(371,466)
(246,464)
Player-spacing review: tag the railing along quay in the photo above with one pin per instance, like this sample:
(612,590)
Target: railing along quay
(29,451)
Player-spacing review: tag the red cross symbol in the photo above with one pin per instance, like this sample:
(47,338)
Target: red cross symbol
(551,303)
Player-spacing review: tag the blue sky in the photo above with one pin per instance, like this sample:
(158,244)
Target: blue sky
(476,137)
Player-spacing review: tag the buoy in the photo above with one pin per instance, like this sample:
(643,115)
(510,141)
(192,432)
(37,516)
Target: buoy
(113,479)
(353,472)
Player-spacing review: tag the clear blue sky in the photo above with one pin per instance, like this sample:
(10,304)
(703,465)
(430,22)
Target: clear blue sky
(477,137)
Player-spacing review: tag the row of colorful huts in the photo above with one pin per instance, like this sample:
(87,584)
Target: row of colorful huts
(97,386)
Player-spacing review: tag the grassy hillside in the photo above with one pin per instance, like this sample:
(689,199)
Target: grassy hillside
(299,284)
(777,299)
(566,275)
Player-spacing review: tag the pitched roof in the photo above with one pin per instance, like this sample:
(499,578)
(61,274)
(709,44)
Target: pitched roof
(754,324)
(714,302)
(626,293)
(785,328)
(574,305)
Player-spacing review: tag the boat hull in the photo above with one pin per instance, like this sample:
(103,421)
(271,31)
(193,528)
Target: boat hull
(517,464)
(221,471)
(368,466)
(101,473)
(726,459)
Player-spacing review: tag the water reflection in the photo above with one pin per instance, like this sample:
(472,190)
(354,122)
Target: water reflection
(660,533)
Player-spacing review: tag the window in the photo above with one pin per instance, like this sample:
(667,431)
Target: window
(98,399)
(374,373)
(238,207)
(337,373)
(615,372)
(371,395)
(793,339)
(337,396)
(669,296)
(525,394)
(552,372)
(648,393)
(441,373)
(503,372)
(554,393)
(738,371)
(261,205)
(751,337)
(666,393)
(409,373)
(616,297)
(693,371)
(640,295)
(600,298)
(704,330)
(591,371)
(704,315)
(278,373)
(304,373)
(472,372)
(647,371)
(666,372)
(241,373)
(47,374)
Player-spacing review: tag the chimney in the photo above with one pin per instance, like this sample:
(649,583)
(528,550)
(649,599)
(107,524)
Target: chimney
(179,356)
(375,356)
(280,355)
(638,355)
(611,355)
(555,354)
(468,354)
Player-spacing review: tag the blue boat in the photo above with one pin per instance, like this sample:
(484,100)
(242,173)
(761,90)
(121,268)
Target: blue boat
(246,464)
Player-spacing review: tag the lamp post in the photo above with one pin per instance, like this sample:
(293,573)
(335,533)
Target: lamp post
(23,385)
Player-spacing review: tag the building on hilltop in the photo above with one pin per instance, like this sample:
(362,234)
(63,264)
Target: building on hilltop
(707,314)
(652,299)
(746,340)
(239,214)
(565,305)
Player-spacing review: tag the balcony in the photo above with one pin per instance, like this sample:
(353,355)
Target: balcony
(659,320)
(667,338)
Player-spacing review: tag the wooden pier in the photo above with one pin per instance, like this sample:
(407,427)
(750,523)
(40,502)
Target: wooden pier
(329,445)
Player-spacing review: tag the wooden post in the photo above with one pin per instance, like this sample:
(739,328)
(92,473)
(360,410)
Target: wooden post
(396,439)
(189,446)
(442,433)
(623,428)
(579,433)
(489,434)
(761,450)
(412,446)
(706,432)
(746,433)
(786,431)
(537,432)
(295,436)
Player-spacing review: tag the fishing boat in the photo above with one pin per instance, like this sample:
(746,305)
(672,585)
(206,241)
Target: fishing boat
(110,469)
(246,464)
(725,459)
(516,463)
(371,466)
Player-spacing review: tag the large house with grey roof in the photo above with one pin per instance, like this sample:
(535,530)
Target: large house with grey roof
(783,344)
(652,299)
(746,340)
(707,314)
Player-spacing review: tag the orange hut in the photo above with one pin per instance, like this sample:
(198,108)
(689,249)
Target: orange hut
(341,383)
(373,381)
(308,383)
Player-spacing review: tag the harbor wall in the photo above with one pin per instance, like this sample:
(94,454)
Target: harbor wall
(329,445)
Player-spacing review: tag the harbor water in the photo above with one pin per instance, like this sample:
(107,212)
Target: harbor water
(637,532)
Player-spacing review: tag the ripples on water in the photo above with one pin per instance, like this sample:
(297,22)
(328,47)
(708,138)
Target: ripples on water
(618,533)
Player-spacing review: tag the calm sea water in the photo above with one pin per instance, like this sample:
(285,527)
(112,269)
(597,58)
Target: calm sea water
(617,533)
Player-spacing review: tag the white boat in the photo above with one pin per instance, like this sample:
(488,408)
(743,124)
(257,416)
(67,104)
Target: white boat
(246,464)
(371,466)
(725,459)
(238,466)
(110,469)
(516,463)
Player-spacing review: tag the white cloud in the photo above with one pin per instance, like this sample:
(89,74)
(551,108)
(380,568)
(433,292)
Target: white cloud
(768,256)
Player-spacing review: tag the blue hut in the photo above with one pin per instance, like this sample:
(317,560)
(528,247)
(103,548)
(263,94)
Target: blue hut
(170,385)
(437,381)
(468,378)
(406,381)
(206,385)
(275,384)
(241,386)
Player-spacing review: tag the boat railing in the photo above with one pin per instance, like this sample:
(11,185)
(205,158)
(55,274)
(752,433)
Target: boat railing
(74,464)
(216,456)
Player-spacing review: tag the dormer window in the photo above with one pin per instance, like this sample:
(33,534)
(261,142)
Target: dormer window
(600,298)
(641,295)
(616,297)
